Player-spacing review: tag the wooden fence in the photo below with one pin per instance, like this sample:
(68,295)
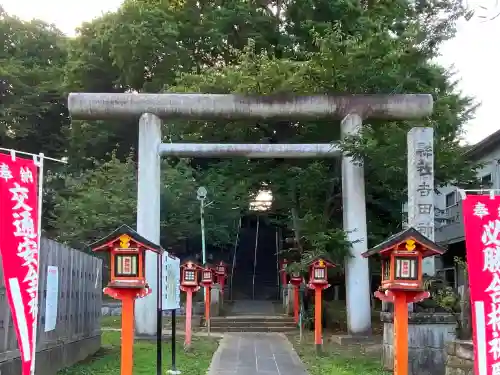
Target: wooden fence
(77,332)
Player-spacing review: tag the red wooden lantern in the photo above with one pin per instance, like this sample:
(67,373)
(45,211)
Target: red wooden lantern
(318,273)
(127,251)
(189,275)
(221,269)
(402,282)
(221,272)
(207,276)
(318,280)
(296,279)
(189,285)
(401,258)
(283,275)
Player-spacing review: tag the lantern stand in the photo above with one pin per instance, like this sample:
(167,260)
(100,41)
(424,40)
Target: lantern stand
(296,280)
(189,285)
(221,272)
(207,280)
(283,275)
(127,250)
(318,280)
(402,282)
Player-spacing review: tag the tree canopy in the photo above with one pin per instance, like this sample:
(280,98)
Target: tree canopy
(249,47)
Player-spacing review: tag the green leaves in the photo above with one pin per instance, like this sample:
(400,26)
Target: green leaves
(297,47)
(98,200)
(32,115)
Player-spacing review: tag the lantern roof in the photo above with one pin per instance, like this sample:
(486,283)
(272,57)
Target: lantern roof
(189,260)
(126,233)
(316,261)
(426,246)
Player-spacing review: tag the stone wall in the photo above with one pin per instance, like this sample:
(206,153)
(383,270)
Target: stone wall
(459,358)
(428,334)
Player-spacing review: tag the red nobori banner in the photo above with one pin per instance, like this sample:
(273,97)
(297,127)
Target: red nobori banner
(482,237)
(19,249)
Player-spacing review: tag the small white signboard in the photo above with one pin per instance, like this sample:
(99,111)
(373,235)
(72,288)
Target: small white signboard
(171,282)
(52,298)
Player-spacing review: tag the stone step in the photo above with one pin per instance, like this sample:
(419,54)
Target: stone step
(248,319)
(253,329)
(240,323)
(252,324)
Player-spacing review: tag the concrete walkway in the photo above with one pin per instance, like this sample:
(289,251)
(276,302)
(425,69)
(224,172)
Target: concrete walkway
(256,354)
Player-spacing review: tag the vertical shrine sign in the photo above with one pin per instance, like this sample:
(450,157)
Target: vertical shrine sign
(482,240)
(19,244)
(421,186)
(171,283)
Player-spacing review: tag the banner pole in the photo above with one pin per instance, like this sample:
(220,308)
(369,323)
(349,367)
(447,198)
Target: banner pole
(39,164)
(62,161)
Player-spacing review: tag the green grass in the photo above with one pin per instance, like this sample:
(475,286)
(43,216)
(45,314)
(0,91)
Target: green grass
(337,360)
(116,322)
(107,360)
(111,321)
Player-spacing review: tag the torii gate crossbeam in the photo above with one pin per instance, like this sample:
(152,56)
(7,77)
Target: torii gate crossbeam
(350,109)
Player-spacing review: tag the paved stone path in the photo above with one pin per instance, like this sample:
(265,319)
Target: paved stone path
(256,354)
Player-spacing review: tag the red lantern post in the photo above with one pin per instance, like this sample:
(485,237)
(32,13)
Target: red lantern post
(127,251)
(296,280)
(318,280)
(402,282)
(189,285)
(207,280)
(283,274)
(221,272)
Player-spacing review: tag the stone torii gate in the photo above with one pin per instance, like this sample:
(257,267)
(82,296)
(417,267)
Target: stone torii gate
(350,109)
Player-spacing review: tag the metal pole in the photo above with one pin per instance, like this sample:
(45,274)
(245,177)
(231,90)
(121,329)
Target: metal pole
(39,163)
(203,249)
(255,256)
(234,256)
(278,264)
(202,222)
(159,325)
(174,370)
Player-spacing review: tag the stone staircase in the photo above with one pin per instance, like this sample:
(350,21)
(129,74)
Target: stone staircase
(253,323)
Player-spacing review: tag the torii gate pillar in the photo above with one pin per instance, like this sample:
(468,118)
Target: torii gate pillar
(357,272)
(148,215)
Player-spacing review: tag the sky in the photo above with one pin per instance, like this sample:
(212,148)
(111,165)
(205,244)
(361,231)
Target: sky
(469,54)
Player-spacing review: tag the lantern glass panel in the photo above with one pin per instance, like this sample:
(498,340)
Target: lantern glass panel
(189,275)
(221,269)
(387,269)
(406,268)
(207,275)
(319,274)
(126,265)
